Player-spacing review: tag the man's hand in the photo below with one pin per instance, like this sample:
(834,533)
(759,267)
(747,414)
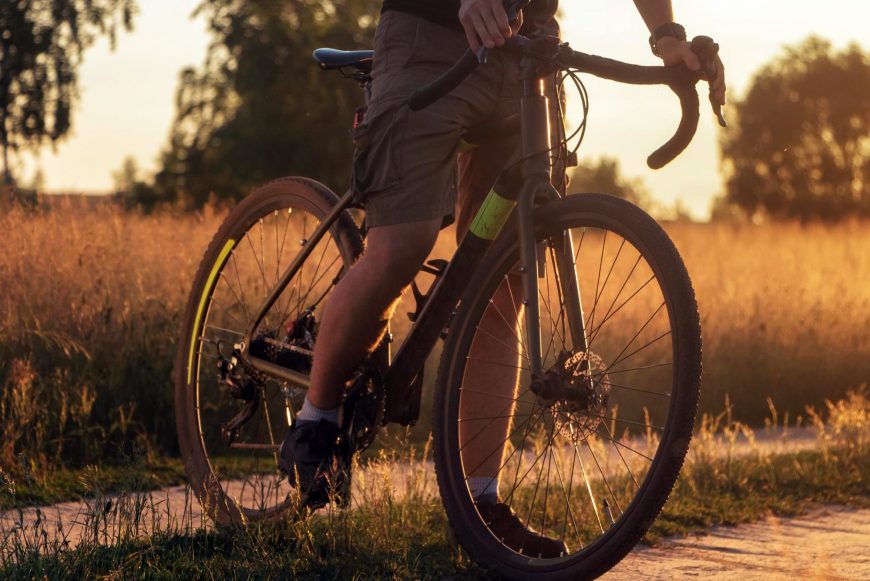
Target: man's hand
(675,51)
(485,23)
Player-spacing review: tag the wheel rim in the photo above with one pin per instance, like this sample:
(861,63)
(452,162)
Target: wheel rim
(572,470)
(243,474)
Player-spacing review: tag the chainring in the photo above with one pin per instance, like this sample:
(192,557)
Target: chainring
(362,411)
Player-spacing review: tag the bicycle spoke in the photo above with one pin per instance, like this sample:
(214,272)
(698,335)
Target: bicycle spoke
(546,493)
(230,331)
(642,367)
(480,391)
(259,265)
(603,475)
(606,280)
(517,484)
(511,327)
(241,286)
(616,444)
(568,501)
(607,314)
(500,446)
(596,330)
(597,281)
(516,306)
(636,335)
(639,349)
(488,362)
(301,303)
(467,442)
(538,481)
(500,342)
(480,419)
(637,389)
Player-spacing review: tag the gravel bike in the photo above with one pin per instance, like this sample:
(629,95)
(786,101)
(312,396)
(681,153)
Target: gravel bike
(601,316)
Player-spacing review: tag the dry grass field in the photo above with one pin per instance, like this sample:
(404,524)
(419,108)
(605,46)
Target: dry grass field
(91,302)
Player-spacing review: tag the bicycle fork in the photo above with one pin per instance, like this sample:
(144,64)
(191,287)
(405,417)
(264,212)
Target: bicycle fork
(536,149)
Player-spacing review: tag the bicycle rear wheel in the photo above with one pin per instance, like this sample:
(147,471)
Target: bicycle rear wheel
(590,468)
(230,425)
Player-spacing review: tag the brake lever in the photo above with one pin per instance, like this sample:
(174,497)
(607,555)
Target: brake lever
(707,49)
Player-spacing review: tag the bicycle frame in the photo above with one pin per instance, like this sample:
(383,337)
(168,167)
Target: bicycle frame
(404,377)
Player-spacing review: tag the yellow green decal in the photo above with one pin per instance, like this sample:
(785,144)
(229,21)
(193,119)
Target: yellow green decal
(492,216)
(465,146)
(222,258)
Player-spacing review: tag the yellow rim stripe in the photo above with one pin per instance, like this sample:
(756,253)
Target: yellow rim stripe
(492,216)
(206,291)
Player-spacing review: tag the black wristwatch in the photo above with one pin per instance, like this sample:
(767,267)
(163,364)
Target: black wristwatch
(671,29)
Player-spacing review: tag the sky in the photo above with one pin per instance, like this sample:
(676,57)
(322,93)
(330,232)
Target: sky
(127,96)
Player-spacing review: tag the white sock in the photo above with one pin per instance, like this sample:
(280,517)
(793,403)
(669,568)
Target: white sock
(483,486)
(312,413)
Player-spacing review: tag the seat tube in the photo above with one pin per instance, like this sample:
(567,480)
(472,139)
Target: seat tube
(534,112)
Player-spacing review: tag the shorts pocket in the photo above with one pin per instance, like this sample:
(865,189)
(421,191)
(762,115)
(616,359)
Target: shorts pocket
(395,40)
(436,45)
(377,153)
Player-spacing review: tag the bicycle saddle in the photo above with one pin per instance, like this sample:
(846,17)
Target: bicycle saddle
(330,58)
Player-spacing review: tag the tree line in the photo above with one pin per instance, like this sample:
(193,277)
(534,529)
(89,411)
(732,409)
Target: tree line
(257,108)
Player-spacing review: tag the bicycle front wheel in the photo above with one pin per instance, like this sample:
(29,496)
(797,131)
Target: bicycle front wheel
(590,462)
(231,419)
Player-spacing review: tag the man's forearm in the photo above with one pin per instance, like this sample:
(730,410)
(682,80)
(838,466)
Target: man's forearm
(655,12)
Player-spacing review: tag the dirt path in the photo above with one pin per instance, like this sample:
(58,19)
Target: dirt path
(831,543)
(176,508)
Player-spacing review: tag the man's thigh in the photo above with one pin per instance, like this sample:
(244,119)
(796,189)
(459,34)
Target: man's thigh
(404,165)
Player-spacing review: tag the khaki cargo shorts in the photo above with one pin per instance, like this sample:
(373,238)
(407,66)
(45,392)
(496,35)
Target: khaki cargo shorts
(405,166)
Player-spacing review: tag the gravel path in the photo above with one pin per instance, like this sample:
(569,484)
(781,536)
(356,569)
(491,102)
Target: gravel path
(831,543)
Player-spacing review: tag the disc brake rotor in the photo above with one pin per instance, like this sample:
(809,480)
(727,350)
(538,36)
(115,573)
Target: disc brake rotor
(579,416)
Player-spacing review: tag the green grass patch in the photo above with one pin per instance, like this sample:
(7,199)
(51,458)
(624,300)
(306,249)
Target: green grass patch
(73,484)
(748,489)
(386,538)
(412,540)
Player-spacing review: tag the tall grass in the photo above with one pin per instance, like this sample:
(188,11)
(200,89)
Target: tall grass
(91,303)
(89,312)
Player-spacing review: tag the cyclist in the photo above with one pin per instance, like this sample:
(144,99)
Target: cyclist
(405,169)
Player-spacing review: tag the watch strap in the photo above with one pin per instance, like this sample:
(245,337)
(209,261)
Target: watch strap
(671,29)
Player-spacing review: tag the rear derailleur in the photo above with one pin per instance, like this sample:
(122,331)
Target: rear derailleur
(242,386)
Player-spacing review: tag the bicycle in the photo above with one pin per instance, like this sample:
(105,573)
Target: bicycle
(609,426)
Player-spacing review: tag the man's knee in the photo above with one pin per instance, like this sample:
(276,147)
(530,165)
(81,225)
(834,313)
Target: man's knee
(400,249)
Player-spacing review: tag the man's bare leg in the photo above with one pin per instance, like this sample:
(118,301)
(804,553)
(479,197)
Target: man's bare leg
(489,388)
(356,315)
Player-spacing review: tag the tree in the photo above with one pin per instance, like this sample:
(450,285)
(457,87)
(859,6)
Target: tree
(604,176)
(260,107)
(800,146)
(130,189)
(41,47)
